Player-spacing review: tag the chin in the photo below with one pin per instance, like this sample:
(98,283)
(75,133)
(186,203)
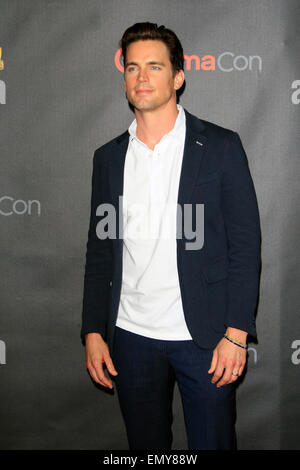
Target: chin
(143,106)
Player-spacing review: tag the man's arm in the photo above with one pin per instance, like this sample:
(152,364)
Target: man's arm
(98,266)
(241,217)
(97,277)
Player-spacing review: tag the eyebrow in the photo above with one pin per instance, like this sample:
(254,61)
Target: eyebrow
(151,62)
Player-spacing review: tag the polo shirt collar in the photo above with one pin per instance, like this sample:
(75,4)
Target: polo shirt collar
(179,123)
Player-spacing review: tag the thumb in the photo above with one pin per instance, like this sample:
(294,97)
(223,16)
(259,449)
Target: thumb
(110,366)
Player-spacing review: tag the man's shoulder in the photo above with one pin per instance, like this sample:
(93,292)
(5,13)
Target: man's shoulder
(209,128)
(110,146)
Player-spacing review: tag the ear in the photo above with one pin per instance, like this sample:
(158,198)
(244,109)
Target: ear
(179,79)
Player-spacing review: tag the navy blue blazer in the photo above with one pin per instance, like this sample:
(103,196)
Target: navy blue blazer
(219,283)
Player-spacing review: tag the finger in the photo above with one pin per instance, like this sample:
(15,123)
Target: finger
(102,377)
(94,376)
(110,365)
(231,373)
(98,372)
(218,372)
(235,375)
(241,369)
(226,377)
(213,362)
(236,370)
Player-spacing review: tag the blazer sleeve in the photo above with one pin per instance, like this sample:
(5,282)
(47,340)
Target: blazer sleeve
(98,266)
(242,224)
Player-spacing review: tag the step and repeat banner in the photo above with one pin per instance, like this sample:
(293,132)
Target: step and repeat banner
(61,97)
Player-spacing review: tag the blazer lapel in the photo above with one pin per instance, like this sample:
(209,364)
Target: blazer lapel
(116,171)
(194,148)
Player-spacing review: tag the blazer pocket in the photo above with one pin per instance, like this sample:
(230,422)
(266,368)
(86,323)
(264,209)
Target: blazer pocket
(215,272)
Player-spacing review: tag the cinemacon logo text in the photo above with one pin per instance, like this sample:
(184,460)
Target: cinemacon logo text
(10,206)
(226,62)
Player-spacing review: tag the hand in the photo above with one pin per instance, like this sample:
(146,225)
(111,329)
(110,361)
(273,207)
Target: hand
(97,353)
(230,357)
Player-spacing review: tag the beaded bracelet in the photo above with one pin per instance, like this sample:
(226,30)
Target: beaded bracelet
(237,343)
(235,340)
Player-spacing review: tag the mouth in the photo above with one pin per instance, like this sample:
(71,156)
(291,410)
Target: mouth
(143,91)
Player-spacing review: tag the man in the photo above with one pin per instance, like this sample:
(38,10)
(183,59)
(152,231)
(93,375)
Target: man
(156,310)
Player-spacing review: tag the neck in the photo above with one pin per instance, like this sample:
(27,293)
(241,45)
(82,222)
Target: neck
(152,125)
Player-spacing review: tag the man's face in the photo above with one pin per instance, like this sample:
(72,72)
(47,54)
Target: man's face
(149,82)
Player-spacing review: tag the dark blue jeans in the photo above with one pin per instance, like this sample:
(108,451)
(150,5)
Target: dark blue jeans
(147,370)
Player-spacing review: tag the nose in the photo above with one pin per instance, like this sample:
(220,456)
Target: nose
(143,76)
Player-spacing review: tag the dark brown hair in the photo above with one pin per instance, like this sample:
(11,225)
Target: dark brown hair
(146,31)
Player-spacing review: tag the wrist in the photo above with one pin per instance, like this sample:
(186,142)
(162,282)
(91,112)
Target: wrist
(235,333)
(92,335)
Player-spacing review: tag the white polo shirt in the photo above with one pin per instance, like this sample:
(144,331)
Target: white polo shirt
(150,302)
